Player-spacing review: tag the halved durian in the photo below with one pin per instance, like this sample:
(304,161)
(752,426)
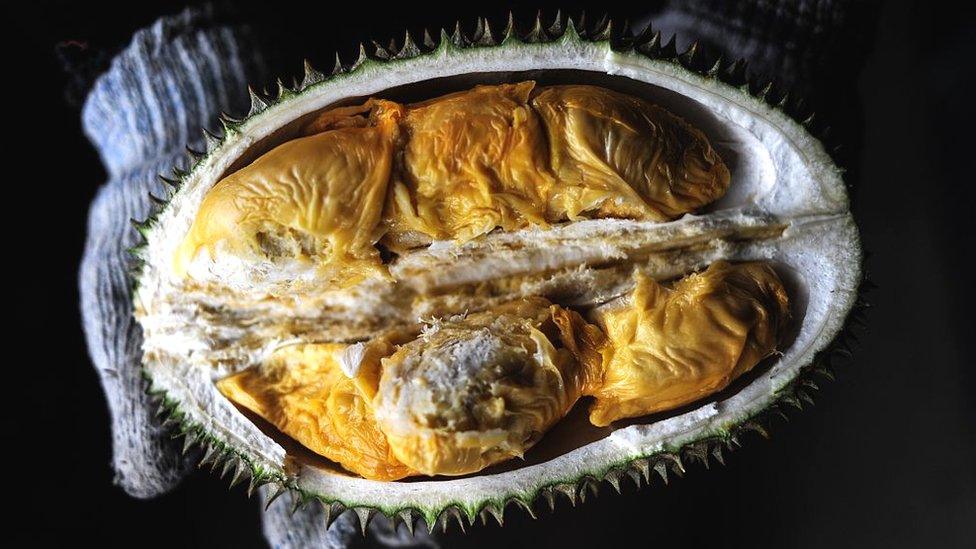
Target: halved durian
(785,206)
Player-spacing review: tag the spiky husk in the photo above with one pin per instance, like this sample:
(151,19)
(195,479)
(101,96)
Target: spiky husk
(218,455)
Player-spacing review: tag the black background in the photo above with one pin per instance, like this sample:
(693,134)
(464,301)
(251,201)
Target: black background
(887,457)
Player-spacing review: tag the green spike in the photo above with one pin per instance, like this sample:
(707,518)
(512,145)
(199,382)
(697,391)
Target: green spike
(572,33)
(568,490)
(188,442)
(209,455)
(228,465)
(661,468)
(549,495)
(365,515)
(156,200)
(593,32)
(536,34)
(735,74)
(716,68)
(407,516)
(445,41)
(510,32)
(258,103)
(210,140)
(380,52)
(444,519)
(496,513)
(194,154)
(644,36)
(458,38)
(644,467)
(588,485)
(281,91)
(175,184)
(281,489)
(228,124)
(634,476)
(360,59)
(717,454)
(337,68)
(331,512)
(602,31)
(409,48)
(687,59)
(240,471)
(670,49)
(310,76)
(556,28)
(783,103)
(482,34)
(298,500)
(428,41)
(651,47)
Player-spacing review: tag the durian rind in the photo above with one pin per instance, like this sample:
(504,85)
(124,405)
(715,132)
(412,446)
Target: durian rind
(807,188)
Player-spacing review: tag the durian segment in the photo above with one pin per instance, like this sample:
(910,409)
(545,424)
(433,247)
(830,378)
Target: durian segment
(310,207)
(512,155)
(307,214)
(671,346)
(472,161)
(480,389)
(302,391)
(620,156)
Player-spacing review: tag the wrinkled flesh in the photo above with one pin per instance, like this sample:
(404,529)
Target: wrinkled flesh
(302,391)
(473,161)
(453,168)
(622,157)
(477,389)
(668,347)
(316,200)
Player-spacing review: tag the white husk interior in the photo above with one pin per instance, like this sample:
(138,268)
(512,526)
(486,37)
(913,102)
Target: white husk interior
(784,175)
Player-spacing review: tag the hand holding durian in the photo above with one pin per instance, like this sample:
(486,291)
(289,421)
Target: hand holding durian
(335,213)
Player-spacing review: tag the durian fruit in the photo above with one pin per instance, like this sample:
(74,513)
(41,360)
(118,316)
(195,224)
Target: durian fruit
(607,223)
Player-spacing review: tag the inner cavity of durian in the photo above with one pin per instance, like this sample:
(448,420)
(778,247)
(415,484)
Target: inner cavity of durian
(730,141)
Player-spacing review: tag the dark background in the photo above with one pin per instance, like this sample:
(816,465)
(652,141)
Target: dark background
(887,457)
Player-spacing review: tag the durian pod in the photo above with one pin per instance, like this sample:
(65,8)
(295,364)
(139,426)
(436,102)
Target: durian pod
(786,206)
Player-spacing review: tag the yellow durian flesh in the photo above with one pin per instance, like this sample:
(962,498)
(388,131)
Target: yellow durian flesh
(515,154)
(671,346)
(472,161)
(620,156)
(317,200)
(302,391)
(452,168)
(474,391)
